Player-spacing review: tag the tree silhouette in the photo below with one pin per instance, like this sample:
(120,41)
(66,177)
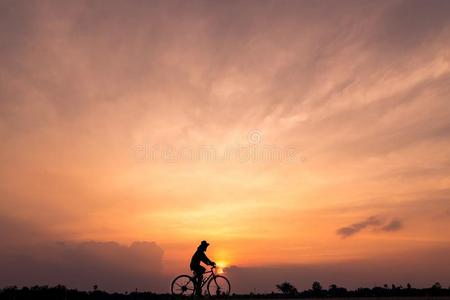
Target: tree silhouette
(60,292)
(436,286)
(287,288)
(316,287)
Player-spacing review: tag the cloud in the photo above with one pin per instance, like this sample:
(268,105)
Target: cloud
(109,265)
(409,24)
(370,222)
(36,258)
(83,82)
(420,267)
(357,227)
(393,225)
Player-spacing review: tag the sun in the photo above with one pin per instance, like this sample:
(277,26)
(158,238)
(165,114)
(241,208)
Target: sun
(221,266)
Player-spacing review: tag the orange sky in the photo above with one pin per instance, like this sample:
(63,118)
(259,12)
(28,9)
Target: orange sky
(104,102)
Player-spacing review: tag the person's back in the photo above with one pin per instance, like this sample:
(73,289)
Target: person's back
(196,260)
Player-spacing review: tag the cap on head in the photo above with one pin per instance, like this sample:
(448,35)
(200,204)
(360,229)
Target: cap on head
(204,244)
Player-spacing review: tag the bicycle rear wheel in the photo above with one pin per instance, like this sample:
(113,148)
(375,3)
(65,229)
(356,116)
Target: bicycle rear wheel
(219,286)
(183,285)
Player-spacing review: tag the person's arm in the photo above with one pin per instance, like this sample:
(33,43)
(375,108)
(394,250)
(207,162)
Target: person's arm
(206,260)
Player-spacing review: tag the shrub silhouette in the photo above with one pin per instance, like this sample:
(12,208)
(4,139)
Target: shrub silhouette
(286,288)
(60,292)
(316,287)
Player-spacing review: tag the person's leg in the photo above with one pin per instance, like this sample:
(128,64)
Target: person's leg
(196,279)
(199,278)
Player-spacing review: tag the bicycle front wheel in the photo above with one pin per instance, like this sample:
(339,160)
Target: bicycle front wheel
(219,286)
(183,285)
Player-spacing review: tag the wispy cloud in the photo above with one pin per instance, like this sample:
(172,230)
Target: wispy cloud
(371,222)
(360,87)
(357,227)
(393,225)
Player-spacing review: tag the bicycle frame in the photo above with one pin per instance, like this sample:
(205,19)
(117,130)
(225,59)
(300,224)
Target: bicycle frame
(211,275)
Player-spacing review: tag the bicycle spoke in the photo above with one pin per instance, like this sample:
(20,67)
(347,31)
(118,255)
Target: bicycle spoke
(183,285)
(219,286)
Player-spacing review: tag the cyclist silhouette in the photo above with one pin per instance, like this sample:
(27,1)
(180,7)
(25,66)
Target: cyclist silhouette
(197,268)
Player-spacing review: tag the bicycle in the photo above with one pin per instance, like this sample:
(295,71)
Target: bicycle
(216,285)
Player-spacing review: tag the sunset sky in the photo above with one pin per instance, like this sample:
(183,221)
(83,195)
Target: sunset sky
(305,140)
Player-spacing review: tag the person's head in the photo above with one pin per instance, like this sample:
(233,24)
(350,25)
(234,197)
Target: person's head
(203,245)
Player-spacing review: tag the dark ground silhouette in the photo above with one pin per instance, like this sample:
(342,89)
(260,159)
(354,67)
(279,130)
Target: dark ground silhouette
(285,290)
